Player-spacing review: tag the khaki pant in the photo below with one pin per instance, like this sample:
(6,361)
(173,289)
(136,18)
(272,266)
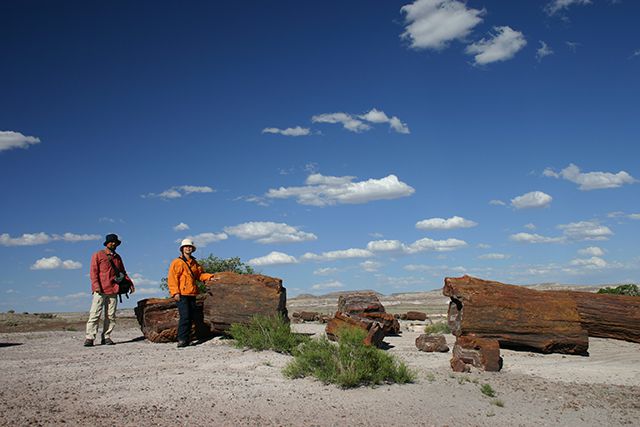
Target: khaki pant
(110,304)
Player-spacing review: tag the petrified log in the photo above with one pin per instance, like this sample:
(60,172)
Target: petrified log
(432,343)
(608,316)
(519,318)
(471,350)
(308,316)
(158,319)
(236,298)
(374,331)
(390,325)
(416,315)
(360,302)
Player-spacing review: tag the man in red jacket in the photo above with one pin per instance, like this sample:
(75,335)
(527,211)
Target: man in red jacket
(106,266)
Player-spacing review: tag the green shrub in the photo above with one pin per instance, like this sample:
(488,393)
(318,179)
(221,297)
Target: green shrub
(629,289)
(349,363)
(487,390)
(437,328)
(266,333)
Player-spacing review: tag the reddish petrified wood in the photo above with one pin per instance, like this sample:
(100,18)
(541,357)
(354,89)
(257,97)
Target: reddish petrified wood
(432,343)
(519,318)
(158,319)
(416,315)
(390,324)
(236,298)
(359,303)
(374,331)
(471,350)
(608,316)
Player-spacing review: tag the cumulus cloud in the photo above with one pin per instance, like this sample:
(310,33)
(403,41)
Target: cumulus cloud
(296,131)
(427,244)
(496,202)
(325,271)
(385,246)
(32,239)
(494,256)
(543,51)
(10,140)
(54,263)
(591,251)
(591,180)
(203,239)
(141,280)
(330,190)
(181,227)
(269,232)
(535,238)
(337,255)
(273,258)
(634,216)
(591,263)
(433,24)
(445,224)
(556,6)
(334,284)
(533,199)
(503,45)
(370,266)
(179,191)
(356,123)
(586,230)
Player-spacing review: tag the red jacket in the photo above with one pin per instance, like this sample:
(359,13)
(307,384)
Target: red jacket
(102,273)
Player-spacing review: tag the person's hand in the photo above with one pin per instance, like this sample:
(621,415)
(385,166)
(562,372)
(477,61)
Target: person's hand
(176,297)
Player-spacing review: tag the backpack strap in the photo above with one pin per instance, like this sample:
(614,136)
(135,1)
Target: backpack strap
(189,267)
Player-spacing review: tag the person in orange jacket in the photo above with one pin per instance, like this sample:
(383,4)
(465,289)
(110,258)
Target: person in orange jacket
(184,271)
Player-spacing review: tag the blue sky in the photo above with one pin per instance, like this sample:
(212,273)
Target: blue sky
(337,145)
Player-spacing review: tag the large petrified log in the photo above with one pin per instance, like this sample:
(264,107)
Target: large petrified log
(432,343)
(608,316)
(236,298)
(374,331)
(158,319)
(519,318)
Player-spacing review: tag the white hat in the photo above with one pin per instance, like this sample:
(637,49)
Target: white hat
(187,242)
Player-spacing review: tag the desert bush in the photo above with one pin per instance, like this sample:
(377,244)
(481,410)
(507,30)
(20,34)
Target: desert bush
(629,289)
(437,328)
(487,390)
(349,363)
(266,333)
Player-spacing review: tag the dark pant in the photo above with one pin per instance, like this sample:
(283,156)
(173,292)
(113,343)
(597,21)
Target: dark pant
(187,311)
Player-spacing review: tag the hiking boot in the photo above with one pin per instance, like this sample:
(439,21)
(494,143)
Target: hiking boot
(107,341)
(88,342)
(182,344)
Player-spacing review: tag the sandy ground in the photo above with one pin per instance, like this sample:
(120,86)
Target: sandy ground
(50,379)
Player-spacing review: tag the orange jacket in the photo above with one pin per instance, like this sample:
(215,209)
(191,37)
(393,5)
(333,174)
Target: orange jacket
(180,279)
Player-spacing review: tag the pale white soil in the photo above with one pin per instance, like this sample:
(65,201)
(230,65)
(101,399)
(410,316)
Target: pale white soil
(49,378)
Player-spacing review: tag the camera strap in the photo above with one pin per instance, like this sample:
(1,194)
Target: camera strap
(189,267)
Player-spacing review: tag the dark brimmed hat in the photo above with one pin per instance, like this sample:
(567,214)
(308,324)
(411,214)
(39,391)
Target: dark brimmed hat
(111,238)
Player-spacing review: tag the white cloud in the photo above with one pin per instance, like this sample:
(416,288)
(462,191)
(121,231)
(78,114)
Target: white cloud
(585,230)
(55,263)
(335,284)
(296,131)
(356,123)
(370,266)
(634,216)
(503,45)
(181,227)
(591,251)
(494,256)
(10,140)
(427,244)
(348,122)
(535,238)
(203,239)
(591,180)
(179,191)
(325,271)
(556,6)
(76,296)
(29,239)
(329,190)
(635,53)
(385,245)
(269,232)
(445,224)
(496,202)
(337,255)
(534,199)
(543,51)
(71,237)
(591,263)
(140,280)
(273,258)
(433,24)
